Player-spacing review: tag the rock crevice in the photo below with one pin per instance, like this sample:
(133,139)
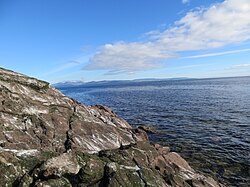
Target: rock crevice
(69,133)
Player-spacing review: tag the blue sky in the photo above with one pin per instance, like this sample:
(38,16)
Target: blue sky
(64,40)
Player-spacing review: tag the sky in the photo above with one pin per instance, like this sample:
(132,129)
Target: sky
(92,40)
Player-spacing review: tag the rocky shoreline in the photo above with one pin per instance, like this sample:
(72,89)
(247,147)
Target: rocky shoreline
(48,139)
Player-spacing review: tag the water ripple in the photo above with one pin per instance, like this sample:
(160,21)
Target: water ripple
(207,121)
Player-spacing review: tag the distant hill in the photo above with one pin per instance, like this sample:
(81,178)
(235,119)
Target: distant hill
(68,83)
(111,82)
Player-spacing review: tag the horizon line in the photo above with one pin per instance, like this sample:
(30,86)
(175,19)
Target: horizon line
(150,79)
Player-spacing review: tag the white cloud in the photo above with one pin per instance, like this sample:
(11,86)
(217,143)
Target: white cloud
(220,25)
(128,57)
(217,54)
(185,1)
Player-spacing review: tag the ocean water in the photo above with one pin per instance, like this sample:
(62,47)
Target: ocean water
(207,121)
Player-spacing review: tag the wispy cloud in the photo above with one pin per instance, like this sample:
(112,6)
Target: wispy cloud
(193,66)
(217,54)
(240,66)
(185,1)
(201,29)
(236,70)
(63,67)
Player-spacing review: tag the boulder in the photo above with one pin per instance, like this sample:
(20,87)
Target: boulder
(148,128)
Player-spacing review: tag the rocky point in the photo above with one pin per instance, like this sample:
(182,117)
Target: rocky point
(48,139)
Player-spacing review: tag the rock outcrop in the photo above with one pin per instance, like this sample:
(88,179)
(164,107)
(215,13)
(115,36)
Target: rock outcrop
(48,139)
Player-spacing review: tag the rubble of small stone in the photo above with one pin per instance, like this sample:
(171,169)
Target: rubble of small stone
(48,139)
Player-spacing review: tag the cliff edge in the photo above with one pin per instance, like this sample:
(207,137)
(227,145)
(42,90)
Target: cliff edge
(48,139)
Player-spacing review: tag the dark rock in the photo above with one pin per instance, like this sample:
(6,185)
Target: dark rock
(140,135)
(148,129)
(92,172)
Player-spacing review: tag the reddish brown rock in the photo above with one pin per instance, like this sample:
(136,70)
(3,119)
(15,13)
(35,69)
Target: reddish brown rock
(35,115)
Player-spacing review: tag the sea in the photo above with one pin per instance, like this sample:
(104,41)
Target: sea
(207,121)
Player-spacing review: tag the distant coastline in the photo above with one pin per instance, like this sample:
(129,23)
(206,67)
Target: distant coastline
(115,82)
